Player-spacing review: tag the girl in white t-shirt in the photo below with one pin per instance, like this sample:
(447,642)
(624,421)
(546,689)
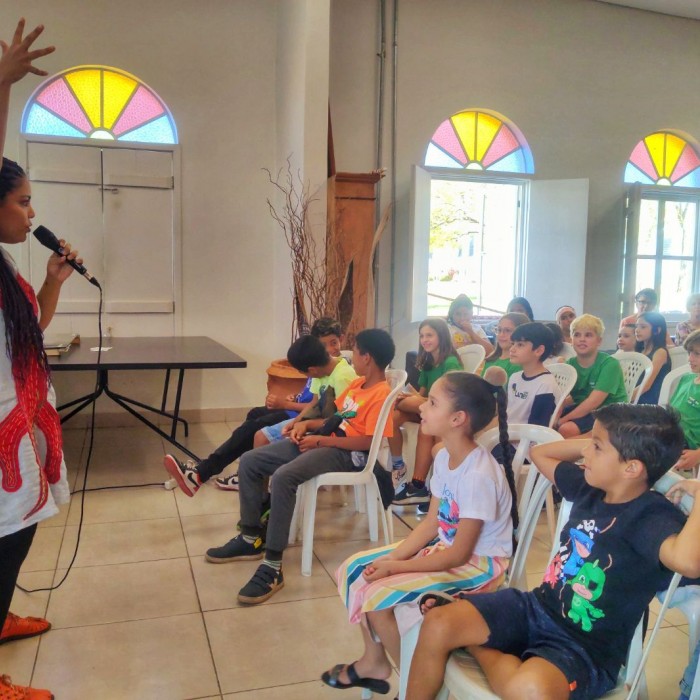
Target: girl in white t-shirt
(463,544)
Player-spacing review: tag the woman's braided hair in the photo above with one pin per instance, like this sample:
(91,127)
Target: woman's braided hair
(24,339)
(480,401)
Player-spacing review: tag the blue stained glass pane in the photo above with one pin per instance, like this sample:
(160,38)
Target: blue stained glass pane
(40,121)
(439,159)
(692,179)
(514,163)
(634,174)
(158,131)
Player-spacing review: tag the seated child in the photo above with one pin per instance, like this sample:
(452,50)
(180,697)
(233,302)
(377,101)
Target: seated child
(626,339)
(533,392)
(686,400)
(650,332)
(303,456)
(462,330)
(564,315)
(500,357)
(570,636)
(190,475)
(600,381)
(437,355)
(462,545)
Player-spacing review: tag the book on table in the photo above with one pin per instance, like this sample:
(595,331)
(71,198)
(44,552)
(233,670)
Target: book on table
(60,343)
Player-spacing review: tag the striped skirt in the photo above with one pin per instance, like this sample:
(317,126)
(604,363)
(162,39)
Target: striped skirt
(479,575)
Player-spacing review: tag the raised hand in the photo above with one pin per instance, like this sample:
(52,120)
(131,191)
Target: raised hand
(17,59)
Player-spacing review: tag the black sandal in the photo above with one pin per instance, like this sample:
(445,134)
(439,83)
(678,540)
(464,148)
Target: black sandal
(376,685)
(438,597)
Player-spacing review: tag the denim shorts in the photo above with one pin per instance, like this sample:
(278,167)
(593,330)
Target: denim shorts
(274,432)
(519,625)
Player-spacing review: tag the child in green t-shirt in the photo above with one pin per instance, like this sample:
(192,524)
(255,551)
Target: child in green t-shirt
(436,356)
(600,381)
(686,400)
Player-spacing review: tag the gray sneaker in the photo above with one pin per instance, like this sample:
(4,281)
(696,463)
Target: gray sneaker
(409,495)
(236,549)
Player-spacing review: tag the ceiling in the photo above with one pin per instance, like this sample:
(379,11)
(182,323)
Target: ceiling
(680,8)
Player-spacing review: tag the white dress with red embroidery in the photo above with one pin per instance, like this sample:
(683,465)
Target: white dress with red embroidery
(32,471)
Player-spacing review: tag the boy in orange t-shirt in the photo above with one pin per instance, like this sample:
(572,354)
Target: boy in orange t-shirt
(303,456)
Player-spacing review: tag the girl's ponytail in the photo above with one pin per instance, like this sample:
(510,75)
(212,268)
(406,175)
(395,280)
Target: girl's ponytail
(506,450)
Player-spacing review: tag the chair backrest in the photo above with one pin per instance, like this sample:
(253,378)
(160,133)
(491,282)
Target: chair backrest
(566,379)
(633,364)
(679,356)
(347,354)
(525,436)
(670,383)
(472,356)
(396,379)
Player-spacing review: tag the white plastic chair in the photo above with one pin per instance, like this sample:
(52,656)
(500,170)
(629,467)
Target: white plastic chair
(464,679)
(678,355)
(472,356)
(566,379)
(670,382)
(634,365)
(308,491)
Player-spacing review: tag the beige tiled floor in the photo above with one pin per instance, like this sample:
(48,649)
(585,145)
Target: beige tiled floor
(143,615)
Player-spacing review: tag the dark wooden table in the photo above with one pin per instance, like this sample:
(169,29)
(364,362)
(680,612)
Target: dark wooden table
(157,353)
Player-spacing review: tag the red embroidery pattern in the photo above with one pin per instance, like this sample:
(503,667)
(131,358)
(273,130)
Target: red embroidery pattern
(32,409)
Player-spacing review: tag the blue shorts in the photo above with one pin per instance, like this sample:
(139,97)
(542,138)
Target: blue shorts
(274,432)
(584,424)
(519,625)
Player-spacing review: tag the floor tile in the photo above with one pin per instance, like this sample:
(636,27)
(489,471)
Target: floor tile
(43,553)
(161,658)
(207,501)
(205,531)
(124,505)
(58,520)
(119,543)
(304,638)
(218,584)
(155,589)
(667,661)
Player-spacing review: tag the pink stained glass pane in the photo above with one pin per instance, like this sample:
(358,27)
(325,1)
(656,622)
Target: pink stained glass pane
(142,107)
(446,139)
(640,157)
(688,161)
(504,143)
(58,98)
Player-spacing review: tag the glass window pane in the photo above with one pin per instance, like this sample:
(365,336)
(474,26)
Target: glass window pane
(676,283)
(646,270)
(648,222)
(679,228)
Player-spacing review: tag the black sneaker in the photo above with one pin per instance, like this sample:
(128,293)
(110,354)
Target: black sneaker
(184,473)
(409,495)
(423,508)
(236,549)
(265,583)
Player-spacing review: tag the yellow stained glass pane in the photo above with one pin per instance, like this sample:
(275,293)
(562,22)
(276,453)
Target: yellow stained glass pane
(674,148)
(656,144)
(87,88)
(487,127)
(465,126)
(117,90)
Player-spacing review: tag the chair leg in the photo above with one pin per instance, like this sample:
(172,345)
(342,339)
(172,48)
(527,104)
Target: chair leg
(297,518)
(551,514)
(371,493)
(409,641)
(359,499)
(307,542)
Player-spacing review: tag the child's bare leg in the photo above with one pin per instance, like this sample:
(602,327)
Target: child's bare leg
(536,678)
(383,622)
(444,629)
(424,456)
(373,663)
(569,430)
(498,667)
(396,442)
(259,439)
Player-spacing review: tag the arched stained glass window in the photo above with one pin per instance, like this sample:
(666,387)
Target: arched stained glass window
(665,158)
(100,103)
(480,140)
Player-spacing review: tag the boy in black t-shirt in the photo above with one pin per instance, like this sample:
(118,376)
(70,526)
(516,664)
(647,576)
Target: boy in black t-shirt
(569,637)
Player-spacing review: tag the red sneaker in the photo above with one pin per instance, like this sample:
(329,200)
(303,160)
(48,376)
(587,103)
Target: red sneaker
(16,627)
(9,691)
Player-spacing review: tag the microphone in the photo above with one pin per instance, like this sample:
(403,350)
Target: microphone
(48,239)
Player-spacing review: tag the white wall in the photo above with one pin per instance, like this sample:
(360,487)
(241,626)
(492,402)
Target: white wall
(583,80)
(215,65)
